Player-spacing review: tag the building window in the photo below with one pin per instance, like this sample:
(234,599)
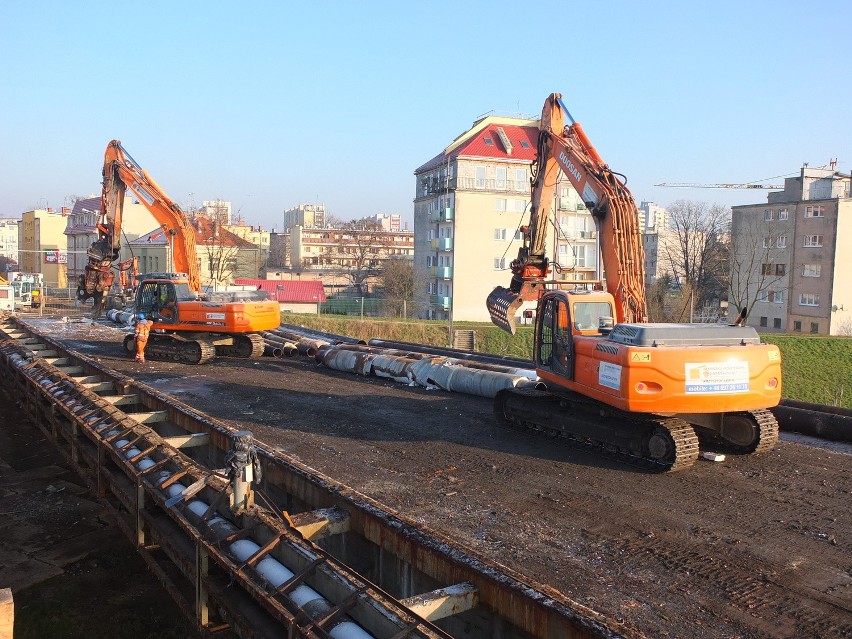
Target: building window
(813,241)
(763,296)
(766,269)
(777,297)
(780,269)
(797,326)
(499,263)
(782,214)
(811,270)
(563,249)
(814,211)
(479,181)
(781,242)
(520,206)
(776,322)
(808,299)
(501,177)
(500,234)
(767,215)
(764,321)
(489,141)
(500,204)
(767,242)
(519,235)
(814,327)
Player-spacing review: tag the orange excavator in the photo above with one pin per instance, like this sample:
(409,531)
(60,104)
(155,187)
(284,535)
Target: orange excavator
(187,328)
(615,382)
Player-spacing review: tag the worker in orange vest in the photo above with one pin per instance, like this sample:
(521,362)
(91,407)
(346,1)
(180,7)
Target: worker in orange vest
(143,328)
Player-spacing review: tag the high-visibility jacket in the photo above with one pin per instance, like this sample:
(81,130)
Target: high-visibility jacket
(143,327)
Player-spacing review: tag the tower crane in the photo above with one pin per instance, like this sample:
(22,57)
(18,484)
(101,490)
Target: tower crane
(691,185)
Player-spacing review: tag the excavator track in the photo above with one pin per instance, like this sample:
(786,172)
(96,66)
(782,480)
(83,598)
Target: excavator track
(246,345)
(657,443)
(756,431)
(165,348)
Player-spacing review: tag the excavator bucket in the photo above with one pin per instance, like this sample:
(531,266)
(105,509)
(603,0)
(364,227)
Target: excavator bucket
(502,305)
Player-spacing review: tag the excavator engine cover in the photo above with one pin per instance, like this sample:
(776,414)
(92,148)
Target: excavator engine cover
(503,304)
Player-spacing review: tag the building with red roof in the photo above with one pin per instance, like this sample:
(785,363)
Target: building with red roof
(471,200)
(295,296)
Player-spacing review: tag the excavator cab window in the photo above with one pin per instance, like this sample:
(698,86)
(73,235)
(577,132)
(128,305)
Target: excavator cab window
(556,342)
(158,300)
(587,315)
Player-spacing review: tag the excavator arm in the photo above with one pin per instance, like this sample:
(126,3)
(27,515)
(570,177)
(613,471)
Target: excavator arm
(121,172)
(610,203)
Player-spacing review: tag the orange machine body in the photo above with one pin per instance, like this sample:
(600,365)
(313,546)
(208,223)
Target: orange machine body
(652,368)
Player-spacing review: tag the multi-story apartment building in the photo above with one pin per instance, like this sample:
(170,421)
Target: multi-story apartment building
(9,228)
(255,235)
(217,210)
(308,216)
(80,230)
(652,217)
(42,246)
(787,255)
(392,222)
(345,250)
(470,202)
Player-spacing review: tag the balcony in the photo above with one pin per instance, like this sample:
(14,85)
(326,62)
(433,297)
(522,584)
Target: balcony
(443,215)
(442,244)
(441,301)
(442,272)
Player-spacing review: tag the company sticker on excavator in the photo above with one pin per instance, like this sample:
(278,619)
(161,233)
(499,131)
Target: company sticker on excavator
(640,357)
(609,375)
(215,316)
(717,377)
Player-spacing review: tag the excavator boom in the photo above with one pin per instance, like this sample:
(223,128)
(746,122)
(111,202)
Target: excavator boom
(610,203)
(121,172)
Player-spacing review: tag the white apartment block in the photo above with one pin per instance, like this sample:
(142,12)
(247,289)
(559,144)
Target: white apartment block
(795,246)
(309,216)
(9,229)
(652,218)
(217,210)
(470,202)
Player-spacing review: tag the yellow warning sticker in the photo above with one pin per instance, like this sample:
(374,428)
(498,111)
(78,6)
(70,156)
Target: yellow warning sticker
(640,357)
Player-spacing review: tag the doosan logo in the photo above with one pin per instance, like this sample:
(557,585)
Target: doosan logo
(569,166)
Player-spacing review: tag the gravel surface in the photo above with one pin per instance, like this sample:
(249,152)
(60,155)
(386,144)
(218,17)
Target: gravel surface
(754,546)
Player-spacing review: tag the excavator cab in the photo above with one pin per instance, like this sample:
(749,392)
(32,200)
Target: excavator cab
(158,300)
(554,339)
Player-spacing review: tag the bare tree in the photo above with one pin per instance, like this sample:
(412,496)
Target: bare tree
(360,250)
(401,280)
(695,251)
(758,260)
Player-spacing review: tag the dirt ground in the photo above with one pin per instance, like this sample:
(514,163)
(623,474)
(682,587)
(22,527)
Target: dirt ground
(755,546)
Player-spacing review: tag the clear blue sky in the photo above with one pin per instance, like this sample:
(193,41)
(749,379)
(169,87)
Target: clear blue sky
(272,104)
